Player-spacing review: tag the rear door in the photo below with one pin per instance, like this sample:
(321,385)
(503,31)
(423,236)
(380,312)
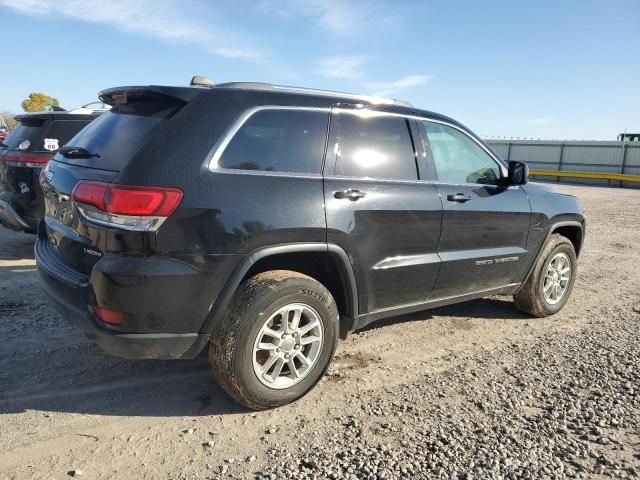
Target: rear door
(379,210)
(485,225)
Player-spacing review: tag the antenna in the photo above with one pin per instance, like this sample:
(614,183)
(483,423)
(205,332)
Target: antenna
(201,81)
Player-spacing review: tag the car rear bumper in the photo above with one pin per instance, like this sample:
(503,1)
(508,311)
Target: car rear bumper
(72,296)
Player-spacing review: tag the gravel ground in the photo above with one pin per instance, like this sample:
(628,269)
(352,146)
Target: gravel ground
(475,390)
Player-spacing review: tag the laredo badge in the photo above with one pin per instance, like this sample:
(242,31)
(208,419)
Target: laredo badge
(51,144)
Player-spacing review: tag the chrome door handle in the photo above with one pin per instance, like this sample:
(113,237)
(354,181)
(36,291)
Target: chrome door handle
(458,197)
(351,194)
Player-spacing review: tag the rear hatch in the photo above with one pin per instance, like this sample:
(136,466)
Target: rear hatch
(27,149)
(81,231)
(24,146)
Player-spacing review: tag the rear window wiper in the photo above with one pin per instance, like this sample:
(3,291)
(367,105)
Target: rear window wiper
(77,152)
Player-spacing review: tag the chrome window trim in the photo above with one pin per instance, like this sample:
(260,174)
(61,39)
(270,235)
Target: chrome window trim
(218,149)
(265,173)
(460,184)
(352,178)
(213,158)
(426,181)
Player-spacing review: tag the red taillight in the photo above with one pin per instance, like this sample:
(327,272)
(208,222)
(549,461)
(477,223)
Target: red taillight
(91,193)
(25,158)
(128,199)
(113,317)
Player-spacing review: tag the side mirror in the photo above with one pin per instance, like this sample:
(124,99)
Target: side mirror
(518,173)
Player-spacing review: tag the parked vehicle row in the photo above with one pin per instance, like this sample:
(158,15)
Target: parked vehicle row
(24,153)
(264,222)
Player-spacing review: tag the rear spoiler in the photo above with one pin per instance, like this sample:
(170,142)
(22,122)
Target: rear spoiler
(114,96)
(59,115)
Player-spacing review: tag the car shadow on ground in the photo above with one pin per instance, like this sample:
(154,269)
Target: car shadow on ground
(78,377)
(49,366)
(15,245)
(109,386)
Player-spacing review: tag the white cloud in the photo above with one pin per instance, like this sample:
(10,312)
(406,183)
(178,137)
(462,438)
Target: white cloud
(339,17)
(163,19)
(348,66)
(385,89)
(542,120)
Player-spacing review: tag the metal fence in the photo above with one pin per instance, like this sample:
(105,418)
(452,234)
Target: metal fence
(582,162)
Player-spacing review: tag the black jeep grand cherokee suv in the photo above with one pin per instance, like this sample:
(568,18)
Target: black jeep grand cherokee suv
(265,221)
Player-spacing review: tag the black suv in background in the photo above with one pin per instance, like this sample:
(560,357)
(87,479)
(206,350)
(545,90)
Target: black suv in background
(24,153)
(267,221)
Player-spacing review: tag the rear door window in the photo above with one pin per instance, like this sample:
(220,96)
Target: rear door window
(376,147)
(279,141)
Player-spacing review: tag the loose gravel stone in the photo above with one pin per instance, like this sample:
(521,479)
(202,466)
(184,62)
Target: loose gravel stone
(560,408)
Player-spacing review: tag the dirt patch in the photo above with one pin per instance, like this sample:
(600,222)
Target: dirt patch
(462,324)
(621,246)
(350,360)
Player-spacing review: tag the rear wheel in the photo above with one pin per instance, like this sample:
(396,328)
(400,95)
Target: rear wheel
(276,340)
(549,286)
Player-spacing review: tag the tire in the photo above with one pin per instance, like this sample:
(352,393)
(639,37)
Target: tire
(259,299)
(531,298)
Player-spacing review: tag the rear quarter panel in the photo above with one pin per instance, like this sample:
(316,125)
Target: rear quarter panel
(224,213)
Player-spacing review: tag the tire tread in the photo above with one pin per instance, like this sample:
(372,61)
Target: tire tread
(222,345)
(526,299)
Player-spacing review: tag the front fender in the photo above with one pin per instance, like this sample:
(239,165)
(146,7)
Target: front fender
(550,211)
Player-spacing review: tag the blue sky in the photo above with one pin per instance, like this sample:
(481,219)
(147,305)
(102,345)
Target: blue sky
(544,69)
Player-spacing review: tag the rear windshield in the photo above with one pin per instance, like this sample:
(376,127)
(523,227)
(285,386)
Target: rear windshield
(27,130)
(61,131)
(115,137)
(57,133)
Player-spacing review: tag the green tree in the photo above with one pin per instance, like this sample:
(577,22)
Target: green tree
(7,120)
(38,102)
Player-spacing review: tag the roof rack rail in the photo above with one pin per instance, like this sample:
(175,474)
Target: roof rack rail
(313,91)
(90,108)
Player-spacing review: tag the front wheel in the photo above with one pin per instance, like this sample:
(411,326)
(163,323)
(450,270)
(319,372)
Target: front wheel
(276,340)
(549,286)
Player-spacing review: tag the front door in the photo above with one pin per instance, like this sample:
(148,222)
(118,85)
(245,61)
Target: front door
(379,210)
(485,224)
